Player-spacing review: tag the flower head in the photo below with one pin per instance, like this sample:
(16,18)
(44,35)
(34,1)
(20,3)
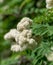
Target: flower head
(11,34)
(22,35)
(15,48)
(1,1)
(24,24)
(49,4)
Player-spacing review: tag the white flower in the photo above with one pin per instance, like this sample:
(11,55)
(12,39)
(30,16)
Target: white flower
(11,34)
(14,32)
(31,41)
(17,38)
(49,4)
(22,35)
(29,34)
(50,56)
(22,40)
(26,33)
(7,36)
(15,48)
(25,19)
(20,27)
(1,1)
(24,24)
(48,1)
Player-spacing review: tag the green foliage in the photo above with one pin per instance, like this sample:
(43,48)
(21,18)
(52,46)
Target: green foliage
(43,28)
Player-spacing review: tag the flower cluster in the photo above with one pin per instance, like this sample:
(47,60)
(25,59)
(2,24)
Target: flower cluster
(22,35)
(49,4)
(1,1)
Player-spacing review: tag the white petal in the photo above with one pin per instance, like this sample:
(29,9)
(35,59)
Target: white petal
(49,1)
(15,48)
(24,23)
(24,33)
(1,1)
(31,41)
(29,34)
(7,36)
(49,4)
(22,40)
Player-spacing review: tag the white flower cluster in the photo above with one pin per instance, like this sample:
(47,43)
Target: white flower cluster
(1,1)
(49,4)
(22,35)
